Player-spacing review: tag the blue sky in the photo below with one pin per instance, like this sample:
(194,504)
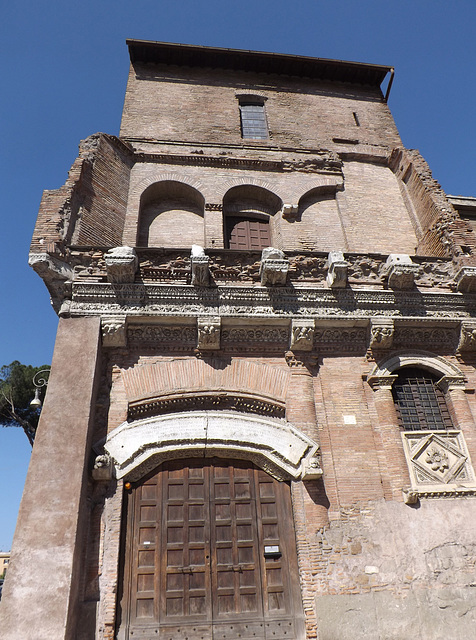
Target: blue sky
(64,74)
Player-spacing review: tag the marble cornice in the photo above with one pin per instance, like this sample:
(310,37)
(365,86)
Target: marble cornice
(254,301)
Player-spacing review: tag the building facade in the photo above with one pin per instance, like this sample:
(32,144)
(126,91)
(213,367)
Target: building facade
(260,419)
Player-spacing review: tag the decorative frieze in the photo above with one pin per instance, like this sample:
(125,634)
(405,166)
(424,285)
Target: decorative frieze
(208,333)
(337,269)
(437,338)
(381,333)
(178,337)
(274,267)
(438,462)
(302,335)
(255,335)
(121,265)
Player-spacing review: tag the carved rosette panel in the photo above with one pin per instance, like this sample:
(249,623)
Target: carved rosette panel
(438,461)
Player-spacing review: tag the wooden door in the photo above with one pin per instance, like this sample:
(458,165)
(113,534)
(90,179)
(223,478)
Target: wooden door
(196,565)
(246,234)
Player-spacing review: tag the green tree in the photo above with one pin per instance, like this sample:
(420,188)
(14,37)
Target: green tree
(17,390)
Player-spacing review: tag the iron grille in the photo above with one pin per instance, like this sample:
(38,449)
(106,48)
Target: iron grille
(420,404)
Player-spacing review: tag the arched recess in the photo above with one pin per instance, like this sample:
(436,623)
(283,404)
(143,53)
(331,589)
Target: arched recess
(272,444)
(318,212)
(171,214)
(249,217)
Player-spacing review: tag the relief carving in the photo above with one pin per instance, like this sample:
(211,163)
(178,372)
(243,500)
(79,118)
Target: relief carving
(209,333)
(438,462)
(274,267)
(114,332)
(381,333)
(302,335)
(467,339)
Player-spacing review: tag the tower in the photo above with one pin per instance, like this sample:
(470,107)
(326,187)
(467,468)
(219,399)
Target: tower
(259,421)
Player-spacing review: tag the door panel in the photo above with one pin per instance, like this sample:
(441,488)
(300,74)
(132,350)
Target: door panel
(195,561)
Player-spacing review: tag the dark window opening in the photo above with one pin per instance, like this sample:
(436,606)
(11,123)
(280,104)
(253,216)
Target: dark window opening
(356,119)
(420,404)
(253,121)
(247,234)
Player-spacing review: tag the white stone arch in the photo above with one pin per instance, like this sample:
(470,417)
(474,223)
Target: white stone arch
(273,444)
(437,365)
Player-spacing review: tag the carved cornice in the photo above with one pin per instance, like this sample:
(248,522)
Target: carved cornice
(264,302)
(205,401)
(324,162)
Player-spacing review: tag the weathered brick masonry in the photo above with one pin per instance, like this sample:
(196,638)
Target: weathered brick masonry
(227,360)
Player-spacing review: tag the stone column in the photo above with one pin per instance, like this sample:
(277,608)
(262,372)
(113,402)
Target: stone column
(41,591)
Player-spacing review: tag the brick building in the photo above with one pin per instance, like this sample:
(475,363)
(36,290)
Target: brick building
(260,416)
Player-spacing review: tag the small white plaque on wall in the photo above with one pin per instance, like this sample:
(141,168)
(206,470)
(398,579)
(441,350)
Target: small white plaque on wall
(350,419)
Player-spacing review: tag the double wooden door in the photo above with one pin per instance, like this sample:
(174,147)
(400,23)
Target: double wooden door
(210,555)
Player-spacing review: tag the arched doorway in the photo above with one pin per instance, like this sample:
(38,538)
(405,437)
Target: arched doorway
(210,554)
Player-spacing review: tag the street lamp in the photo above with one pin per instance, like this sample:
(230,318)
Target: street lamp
(40,379)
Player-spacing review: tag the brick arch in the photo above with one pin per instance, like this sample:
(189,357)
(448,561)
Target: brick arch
(194,376)
(318,191)
(248,181)
(139,188)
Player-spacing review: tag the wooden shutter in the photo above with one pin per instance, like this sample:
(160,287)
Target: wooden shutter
(247,234)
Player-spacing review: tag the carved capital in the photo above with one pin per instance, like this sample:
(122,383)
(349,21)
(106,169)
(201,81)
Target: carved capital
(274,267)
(121,265)
(209,333)
(337,269)
(103,469)
(302,335)
(466,280)
(381,333)
(450,383)
(401,271)
(467,338)
(312,469)
(200,268)
(114,332)
(381,382)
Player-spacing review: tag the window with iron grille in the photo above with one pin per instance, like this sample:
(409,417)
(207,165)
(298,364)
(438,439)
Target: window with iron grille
(253,120)
(420,404)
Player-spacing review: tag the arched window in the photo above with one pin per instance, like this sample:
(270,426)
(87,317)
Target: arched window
(420,404)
